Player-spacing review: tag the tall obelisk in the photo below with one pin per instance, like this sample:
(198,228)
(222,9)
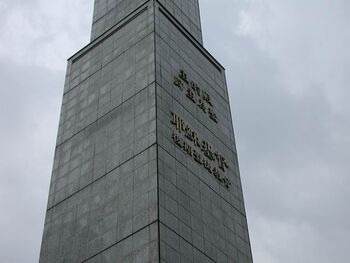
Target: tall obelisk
(145,166)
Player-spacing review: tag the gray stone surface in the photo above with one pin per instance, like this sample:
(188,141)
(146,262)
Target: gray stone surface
(104,212)
(107,13)
(186,12)
(141,247)
(122,190)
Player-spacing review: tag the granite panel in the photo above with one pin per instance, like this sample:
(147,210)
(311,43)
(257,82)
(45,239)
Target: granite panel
(166,105)
(101,52)
(175,249)
(107,89)
(104,145)
(108,13)
(126,68)
(103,213)
(141,247)
(187,13)
(195,211)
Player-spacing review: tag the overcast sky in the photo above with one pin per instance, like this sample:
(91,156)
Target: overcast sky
(288,69)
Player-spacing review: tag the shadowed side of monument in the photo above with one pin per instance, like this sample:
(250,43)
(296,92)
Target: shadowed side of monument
(201,207)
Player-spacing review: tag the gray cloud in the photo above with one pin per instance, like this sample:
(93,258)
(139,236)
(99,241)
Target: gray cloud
(43,33)
(36,39)
(287,67)
(29,106)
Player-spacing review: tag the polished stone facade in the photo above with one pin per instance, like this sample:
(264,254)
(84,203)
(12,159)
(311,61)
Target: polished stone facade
(128,185)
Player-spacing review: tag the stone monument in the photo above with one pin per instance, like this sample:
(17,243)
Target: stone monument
(145,166)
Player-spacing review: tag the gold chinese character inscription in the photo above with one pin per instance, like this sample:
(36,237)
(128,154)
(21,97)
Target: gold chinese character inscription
(200,150)
(195,94)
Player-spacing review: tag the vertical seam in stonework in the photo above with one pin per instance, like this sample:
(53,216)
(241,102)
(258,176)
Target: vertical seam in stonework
(156,102)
